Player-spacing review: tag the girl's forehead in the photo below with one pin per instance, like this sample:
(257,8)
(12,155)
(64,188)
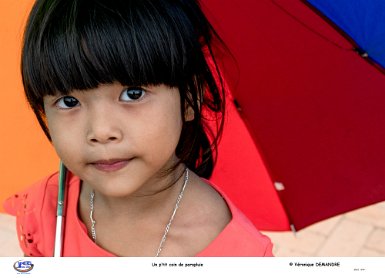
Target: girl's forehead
(140,46)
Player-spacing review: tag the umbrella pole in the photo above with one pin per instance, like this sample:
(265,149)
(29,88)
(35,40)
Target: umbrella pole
(60,211)
(293,229)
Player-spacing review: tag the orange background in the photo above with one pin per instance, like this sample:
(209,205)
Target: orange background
(25,154)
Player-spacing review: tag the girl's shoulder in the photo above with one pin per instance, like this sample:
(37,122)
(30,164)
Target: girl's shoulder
(219,226)
(240,237)
(30,198)
(35,211)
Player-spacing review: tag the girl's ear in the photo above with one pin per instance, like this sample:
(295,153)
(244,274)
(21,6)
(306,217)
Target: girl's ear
(189,114)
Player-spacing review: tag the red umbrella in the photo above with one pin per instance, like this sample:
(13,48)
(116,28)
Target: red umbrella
(305,133)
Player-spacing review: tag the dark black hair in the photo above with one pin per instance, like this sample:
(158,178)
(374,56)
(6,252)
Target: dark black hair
(80,44)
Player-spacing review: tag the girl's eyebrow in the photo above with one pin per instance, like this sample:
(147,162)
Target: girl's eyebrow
(57,95)
(70,93)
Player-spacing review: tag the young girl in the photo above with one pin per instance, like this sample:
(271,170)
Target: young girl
(125,91)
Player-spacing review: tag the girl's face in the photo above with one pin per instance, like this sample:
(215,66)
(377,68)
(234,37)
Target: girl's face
(117,139)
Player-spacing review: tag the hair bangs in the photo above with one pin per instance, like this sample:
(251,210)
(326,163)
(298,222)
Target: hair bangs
(102,46)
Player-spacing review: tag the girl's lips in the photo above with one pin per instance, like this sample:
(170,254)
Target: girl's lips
(110,165)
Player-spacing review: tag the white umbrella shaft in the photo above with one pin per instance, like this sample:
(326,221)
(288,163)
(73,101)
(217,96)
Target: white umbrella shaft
(60,211)
(58,237)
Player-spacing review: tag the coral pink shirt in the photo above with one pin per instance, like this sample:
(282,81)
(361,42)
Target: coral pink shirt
(35,211)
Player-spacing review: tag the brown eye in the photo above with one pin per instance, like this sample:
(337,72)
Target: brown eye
(132,94)
(67,102)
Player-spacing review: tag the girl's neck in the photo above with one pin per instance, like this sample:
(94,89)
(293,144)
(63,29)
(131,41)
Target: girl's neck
(137,204)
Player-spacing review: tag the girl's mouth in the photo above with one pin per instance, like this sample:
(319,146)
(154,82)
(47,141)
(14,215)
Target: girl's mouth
(110,165)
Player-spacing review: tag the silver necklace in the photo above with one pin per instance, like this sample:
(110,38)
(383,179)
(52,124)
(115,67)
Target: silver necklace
(167,229)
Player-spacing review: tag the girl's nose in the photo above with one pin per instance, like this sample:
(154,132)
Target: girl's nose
(103,129)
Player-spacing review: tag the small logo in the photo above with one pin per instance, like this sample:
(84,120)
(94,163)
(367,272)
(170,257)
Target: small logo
(23,266)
